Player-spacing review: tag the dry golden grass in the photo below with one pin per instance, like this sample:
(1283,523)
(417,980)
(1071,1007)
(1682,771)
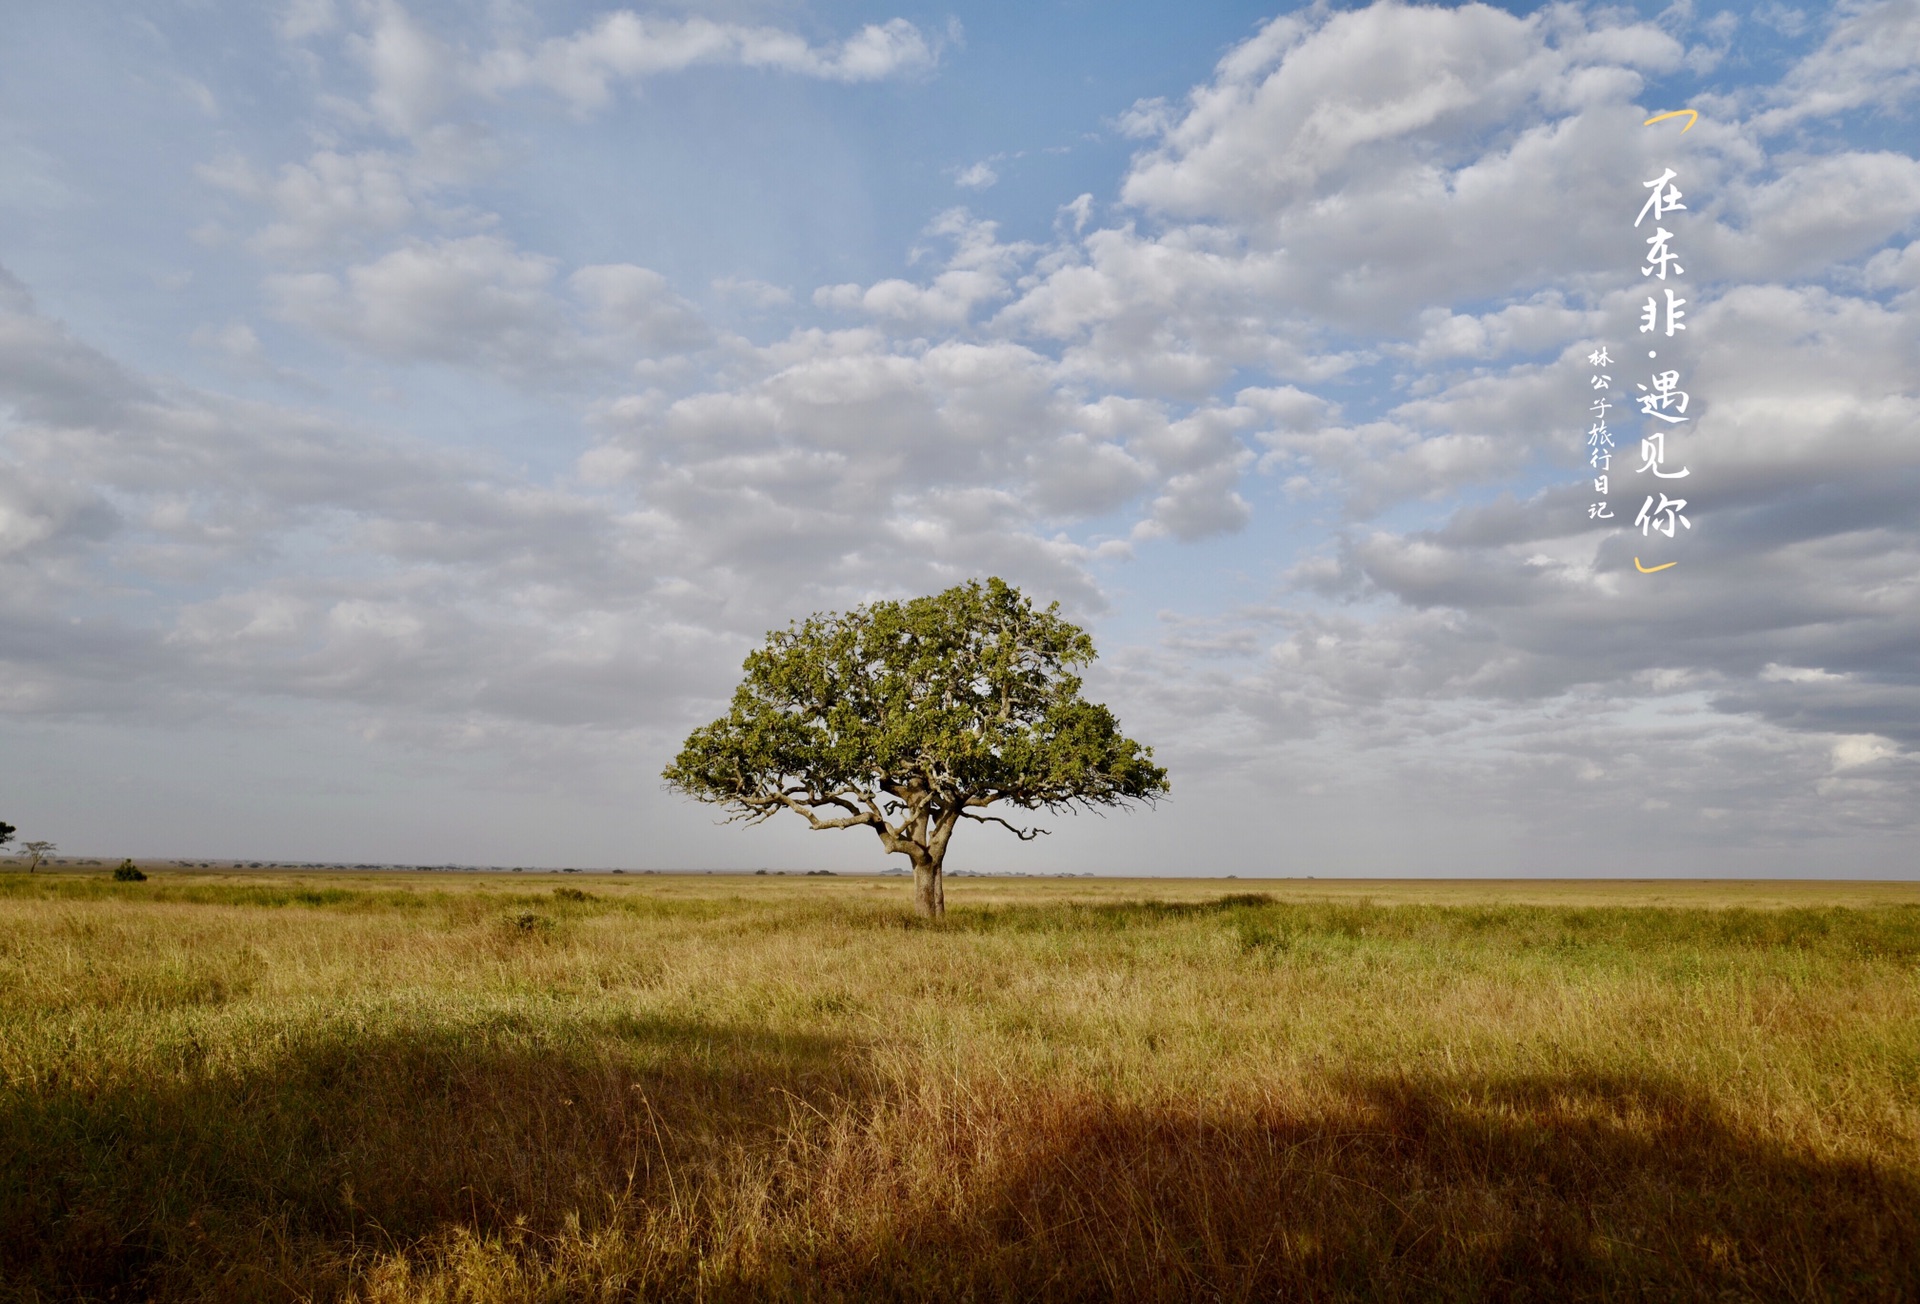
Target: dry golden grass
(412,1087)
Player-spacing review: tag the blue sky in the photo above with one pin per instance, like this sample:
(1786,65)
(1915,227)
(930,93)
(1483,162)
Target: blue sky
(410,414)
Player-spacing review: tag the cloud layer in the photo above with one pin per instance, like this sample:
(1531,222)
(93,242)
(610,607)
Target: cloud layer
(1313,389)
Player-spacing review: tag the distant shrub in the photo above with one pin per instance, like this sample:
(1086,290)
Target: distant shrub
(127,873)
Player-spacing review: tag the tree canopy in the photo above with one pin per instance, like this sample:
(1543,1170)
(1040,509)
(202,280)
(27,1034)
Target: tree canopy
(909,717)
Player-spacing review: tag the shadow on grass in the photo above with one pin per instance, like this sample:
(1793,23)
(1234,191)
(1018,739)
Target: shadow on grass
(286,1183)
(1551,1187)
(560,1161)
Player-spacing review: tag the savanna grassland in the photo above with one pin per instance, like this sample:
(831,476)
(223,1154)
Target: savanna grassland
(515,1087)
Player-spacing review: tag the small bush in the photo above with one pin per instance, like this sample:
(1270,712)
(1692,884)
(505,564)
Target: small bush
(127,873)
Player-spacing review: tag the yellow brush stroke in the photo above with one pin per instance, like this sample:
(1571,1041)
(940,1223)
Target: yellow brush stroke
(1691,115)
(1648,570)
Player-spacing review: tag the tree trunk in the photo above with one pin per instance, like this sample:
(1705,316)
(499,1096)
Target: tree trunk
(929,890)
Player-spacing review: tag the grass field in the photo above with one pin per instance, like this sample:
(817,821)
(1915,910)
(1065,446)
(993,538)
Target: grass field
(507,1087)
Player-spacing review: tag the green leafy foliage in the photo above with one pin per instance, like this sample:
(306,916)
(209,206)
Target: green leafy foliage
(910,716)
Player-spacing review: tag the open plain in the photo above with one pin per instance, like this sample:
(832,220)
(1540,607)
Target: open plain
(504,1087)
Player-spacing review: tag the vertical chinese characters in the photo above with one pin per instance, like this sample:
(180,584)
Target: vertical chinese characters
(1663,403)
(1599,438)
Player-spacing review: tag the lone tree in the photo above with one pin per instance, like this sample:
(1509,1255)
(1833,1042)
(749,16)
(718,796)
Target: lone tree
(39,851)
(908,717)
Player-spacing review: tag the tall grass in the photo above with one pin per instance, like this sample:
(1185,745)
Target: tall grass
(482,1090)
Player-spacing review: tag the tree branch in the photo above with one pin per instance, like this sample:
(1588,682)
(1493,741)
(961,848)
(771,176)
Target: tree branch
(1025,835)
(807,807)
